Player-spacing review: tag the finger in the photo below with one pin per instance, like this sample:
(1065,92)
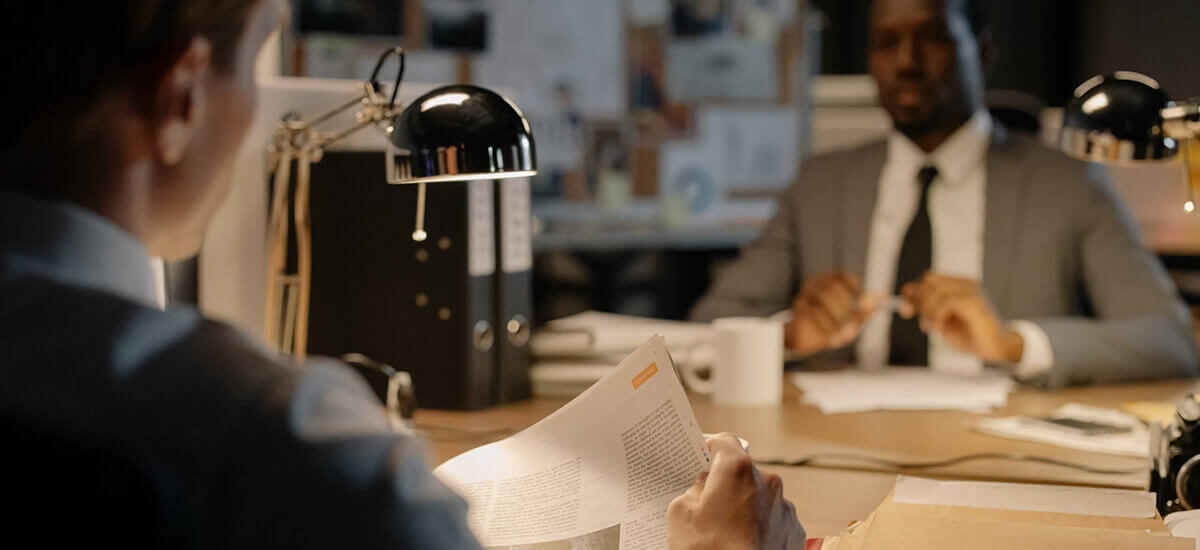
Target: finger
(837,300)
(797,302)
(813,284)
(724,442)
(934,294)
(865,312)
(949,307)
(732,470)
(936,288)
(934,308)
(871,301)
(910,293)
(773,483)
(852,282)
(946,311)
(813,309)
(680,505)
(845,334)
(941,278)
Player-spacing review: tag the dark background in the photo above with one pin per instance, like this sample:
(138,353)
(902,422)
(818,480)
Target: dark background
(1047,47)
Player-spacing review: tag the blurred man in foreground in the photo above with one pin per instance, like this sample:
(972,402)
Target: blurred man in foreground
(119,145)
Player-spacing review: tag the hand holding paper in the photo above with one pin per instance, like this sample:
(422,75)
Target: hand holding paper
(734,505)
(601,471)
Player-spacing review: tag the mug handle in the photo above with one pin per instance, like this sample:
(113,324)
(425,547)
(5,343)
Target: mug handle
(690,378)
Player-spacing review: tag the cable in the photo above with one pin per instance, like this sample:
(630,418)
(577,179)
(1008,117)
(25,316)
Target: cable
(399,53)
(440,432)
(813,459)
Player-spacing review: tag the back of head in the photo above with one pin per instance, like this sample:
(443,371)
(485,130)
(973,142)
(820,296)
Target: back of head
(134,109)
(62,61)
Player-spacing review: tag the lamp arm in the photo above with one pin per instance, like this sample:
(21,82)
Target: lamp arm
(298,140)
(357,100)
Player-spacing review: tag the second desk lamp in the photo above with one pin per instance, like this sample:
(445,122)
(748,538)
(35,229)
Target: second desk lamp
(1125,118)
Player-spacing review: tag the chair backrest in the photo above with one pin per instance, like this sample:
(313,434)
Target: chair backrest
(62,493)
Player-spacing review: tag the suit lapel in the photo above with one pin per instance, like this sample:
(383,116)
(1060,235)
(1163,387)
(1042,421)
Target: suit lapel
(858,192)
(1007,191)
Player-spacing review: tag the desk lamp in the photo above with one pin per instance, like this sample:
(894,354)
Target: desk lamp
(1127,118)
(453,133)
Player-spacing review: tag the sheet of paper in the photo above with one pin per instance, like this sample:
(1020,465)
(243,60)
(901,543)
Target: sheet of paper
(598,473)
(1035,498)
(1135,442)
(550,52)
(755,148)
(860,390)
(722,67)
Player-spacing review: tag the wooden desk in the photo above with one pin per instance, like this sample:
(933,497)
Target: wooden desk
(833,494)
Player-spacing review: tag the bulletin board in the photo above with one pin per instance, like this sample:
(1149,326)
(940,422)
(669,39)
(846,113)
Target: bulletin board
(698,99)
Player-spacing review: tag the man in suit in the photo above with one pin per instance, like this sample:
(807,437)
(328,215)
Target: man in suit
(995,248)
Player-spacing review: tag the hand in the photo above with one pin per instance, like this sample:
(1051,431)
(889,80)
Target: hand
(958,310)
(828,313)
(733,506)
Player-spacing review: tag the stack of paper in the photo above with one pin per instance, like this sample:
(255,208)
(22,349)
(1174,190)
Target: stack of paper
(858,390)
(574,352)
(594,333)
(924,513)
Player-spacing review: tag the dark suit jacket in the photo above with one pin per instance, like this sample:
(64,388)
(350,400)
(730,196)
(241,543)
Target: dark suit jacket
(1059,250)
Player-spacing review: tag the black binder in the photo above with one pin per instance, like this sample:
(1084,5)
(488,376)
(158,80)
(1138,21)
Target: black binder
(427,307)
(513,289)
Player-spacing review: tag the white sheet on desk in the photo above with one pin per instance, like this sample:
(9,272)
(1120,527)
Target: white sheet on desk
(1135,442)
(1118,503)
(896,388)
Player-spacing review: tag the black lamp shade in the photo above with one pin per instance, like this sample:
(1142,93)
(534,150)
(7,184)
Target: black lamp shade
(1117,119)
(457,133)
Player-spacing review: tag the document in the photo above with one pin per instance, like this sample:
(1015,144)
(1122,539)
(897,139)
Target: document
(1134,442)
(597,474)
(861,390)
(1061,499)
(925,513)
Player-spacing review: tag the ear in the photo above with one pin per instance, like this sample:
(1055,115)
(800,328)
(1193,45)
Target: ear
(989,53)
(180,101)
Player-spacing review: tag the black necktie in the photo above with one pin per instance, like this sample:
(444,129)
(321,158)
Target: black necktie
(909,345)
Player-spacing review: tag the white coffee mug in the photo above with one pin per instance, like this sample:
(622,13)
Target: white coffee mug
(747,367)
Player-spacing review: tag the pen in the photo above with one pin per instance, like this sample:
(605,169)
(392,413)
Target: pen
(889,304)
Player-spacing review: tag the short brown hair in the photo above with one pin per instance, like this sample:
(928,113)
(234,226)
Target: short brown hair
(60,58)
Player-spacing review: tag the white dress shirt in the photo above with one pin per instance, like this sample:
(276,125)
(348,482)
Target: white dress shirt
(956,203)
